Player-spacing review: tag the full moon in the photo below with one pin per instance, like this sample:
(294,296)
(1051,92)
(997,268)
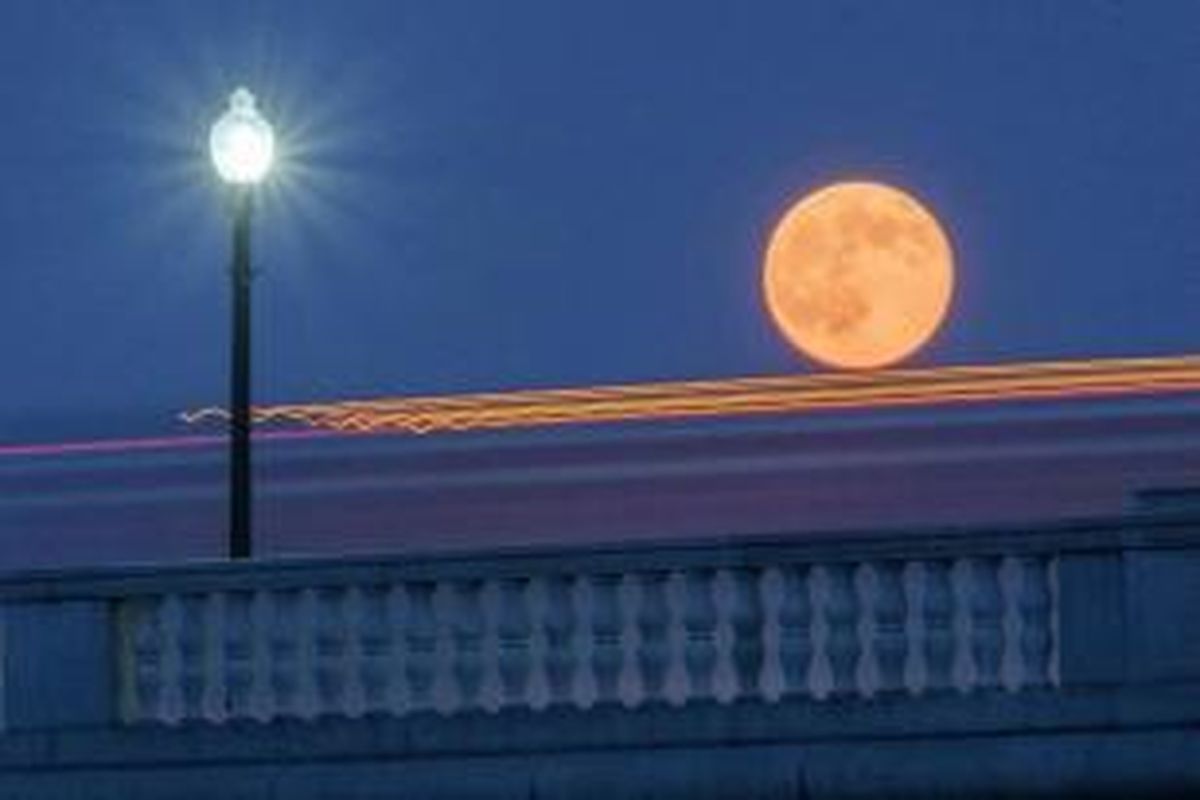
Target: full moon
(858,275)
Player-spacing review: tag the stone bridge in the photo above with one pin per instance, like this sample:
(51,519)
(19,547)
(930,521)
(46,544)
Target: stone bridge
(1040,659)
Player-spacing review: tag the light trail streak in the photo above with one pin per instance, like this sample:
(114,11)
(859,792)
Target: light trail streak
(1047,380)
(109,446)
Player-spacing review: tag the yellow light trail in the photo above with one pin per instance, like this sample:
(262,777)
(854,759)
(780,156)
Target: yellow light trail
(1044,380)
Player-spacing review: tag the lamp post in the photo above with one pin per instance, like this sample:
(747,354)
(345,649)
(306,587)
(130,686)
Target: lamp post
(242,146)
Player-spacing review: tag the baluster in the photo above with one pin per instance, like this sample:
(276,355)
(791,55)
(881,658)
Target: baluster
(491,690)
(468,639)
(262,698)
(795,629)
(153,656)
(746,625)
(987,635)
(283,641)
(652,619)
(514,641)
(238,665)
(607,654)
(150,659)
(308,657)
(842,613)
(215,693)
(724,672)
(420,638)
(399,698)
(629,683)
(559,625)
(771,678)
(938,616)
(820,674)
(354,698)
(676,689)
(330,651)
(1052,671)
(962,600)
(1010,623)
(538,691)
(191,652)
(1034,609)
(700,626)
(583,687)
(891,613)
(444,693)
(170,673)
(865,587)
(374,637)
(128,704)
(137,651)
(912,586)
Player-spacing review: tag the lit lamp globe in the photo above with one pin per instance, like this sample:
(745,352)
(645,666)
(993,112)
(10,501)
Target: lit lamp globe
(241,142)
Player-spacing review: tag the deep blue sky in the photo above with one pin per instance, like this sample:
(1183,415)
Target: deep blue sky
(497,195)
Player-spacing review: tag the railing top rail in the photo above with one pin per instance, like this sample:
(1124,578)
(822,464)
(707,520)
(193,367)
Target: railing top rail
(1134,531)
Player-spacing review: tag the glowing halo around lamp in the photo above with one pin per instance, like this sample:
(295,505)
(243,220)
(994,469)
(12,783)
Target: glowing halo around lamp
(858,275)
(242,143)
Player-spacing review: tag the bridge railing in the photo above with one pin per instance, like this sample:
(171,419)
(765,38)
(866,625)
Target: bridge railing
(571,634)
(852,619)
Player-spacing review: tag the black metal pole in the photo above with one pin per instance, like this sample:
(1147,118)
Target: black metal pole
(239,382)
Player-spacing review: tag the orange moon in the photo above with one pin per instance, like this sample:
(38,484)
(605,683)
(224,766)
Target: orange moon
(858,275)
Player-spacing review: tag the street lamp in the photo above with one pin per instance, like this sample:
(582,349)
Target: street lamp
(242,146)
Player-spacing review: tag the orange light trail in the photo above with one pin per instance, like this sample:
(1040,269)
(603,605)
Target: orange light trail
(1045,380)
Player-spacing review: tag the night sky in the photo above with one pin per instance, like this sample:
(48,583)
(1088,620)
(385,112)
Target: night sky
(483,196)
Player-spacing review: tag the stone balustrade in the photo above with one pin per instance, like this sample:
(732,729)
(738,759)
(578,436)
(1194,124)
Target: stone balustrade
(580,635)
